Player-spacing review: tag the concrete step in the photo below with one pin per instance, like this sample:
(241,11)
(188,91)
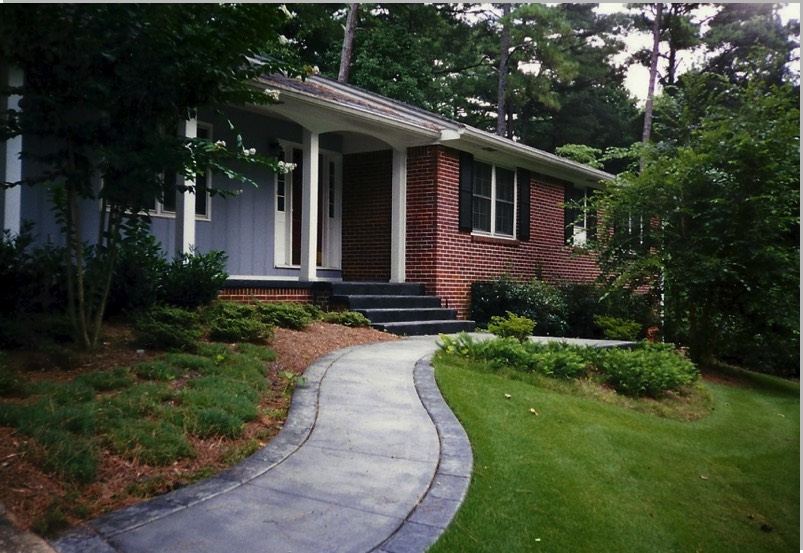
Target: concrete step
(377,289)
(357,302)
(426,328)
(407,315)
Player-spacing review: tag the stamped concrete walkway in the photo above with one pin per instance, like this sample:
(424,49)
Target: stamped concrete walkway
(370,460)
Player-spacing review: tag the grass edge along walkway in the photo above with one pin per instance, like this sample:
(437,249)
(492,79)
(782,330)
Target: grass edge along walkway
(582,475)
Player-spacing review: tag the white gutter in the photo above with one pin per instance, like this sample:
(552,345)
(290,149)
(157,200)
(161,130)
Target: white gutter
(494,143)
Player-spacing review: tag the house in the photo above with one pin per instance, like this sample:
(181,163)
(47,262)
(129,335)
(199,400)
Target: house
(381,192)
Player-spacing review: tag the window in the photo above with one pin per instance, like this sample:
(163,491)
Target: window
(203,182)
(580,221)
(493,200)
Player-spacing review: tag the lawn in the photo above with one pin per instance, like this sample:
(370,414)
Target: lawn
(586,475)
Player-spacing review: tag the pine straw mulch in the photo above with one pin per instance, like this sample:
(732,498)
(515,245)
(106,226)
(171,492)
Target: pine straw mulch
(27,491)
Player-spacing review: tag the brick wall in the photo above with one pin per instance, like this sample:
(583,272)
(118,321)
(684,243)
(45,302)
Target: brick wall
(367,195)
(448,261)
(444,259)
(250,295)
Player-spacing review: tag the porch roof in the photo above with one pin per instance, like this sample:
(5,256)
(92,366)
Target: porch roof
(325,105)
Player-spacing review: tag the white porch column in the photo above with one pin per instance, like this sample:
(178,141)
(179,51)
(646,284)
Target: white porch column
(12,205)
(185,202)
(309,207)
(398,217)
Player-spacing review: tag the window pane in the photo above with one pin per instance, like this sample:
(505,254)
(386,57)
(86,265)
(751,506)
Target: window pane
(482,214)
(482,180)
(504,218)
(505,184)
(169,190)
(201,196)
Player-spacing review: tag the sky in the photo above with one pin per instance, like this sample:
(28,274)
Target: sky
(638,75)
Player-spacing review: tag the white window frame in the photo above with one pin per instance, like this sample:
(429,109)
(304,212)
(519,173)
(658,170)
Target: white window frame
(579,237)
(494,232)
(160,211)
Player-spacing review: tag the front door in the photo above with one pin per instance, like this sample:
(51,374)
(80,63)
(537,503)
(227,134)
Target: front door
(289,193)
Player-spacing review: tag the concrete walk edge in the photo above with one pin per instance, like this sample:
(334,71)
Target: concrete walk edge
(427,521)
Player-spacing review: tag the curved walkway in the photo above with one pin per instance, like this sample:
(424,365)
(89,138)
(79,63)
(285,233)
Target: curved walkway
(370,460)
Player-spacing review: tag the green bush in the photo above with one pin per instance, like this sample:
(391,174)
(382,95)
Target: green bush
(193,280)
(167,327)
(534,299)
(138,272)
(314,311)
(614,328)
(559,360)
(347,318)
(236,322)
(284,314)
(648,370)
(512,326)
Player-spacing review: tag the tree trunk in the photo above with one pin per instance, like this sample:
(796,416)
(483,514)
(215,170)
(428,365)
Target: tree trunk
(504,56)
(348,41)
(656,43)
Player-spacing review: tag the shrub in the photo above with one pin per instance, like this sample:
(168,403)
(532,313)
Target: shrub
(535,300)
(166,327)
(512,326)
(138,272)
(559,360)
(614,328)
(193,280)
(648,370)
(284,314)
(347,318)
(314,311)
(236,322)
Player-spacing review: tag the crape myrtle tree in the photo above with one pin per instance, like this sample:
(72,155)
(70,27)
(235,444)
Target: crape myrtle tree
(723,197)
(106,87)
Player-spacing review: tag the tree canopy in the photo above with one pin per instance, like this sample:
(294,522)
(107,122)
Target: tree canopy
(106,87)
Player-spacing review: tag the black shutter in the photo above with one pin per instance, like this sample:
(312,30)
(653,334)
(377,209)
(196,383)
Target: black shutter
(524,204)
(569,214)
(466,215)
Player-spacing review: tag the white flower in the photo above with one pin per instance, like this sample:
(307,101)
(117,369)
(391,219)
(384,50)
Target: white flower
(220,143)
(285,11)
(315,70)
(285,167)
(283,40)
(249,151)
(272,93)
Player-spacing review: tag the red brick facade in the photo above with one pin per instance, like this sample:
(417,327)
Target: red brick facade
(446,260)
(250,295)
(366,216)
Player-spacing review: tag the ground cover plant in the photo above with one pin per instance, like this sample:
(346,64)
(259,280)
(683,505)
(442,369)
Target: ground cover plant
(130,421)
(644,369)
(556,470)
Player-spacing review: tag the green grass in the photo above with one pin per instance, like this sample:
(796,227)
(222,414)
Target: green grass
(586,475)
(146,413)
